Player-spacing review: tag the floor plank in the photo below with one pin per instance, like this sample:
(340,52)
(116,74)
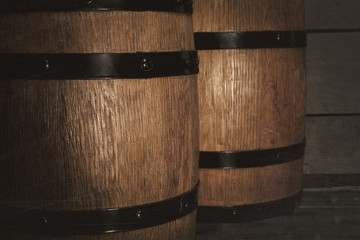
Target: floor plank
(307,223)
(326,211)
(332,145)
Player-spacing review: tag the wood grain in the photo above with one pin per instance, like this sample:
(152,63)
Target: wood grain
(248,15)
(332,145)
(102,143)
(325,212)
(250,99)
(95,32)
(243,186)
(333,181)
(95,135)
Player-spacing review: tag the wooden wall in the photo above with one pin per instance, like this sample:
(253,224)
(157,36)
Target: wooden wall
(333,87)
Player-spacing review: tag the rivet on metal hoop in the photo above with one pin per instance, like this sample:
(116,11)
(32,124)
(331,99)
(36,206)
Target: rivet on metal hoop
(234,211)
(47,65)
(87,1)
(146,64)
(278,36)
(139,214)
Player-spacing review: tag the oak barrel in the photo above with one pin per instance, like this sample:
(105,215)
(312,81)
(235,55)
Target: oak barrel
(97,139)
(252,107)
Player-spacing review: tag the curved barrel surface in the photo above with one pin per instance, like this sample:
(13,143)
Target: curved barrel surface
(252,103)
(78,145)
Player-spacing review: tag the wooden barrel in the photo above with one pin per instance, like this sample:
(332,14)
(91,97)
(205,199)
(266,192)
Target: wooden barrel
(97,139)
(252,106)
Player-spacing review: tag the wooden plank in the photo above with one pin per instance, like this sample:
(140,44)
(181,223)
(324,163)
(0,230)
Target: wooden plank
(333,73)
(307,223)
(326,198)
(332,145)
(330,191)
(340,14)
(322,181)
(324,213)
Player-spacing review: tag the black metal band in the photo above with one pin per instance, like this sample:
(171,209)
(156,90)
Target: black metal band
(95,66)
(244,40)
(100,221)
(247,159)
(180,6)
(246,213)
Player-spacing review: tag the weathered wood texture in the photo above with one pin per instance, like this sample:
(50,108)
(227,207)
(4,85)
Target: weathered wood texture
(332,145)
(70,141)
(336,197)
(248,15)
(103,143)
(95,32)
(326,212)
(332,14)
(331,180)
(243,186)
(333,68)
(250,99)
(308,223)
(333,87)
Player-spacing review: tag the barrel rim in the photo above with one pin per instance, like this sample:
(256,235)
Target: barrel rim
(23,6)
(249,40)
(251,159)
(248,212)
(70,66)
(101,220)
